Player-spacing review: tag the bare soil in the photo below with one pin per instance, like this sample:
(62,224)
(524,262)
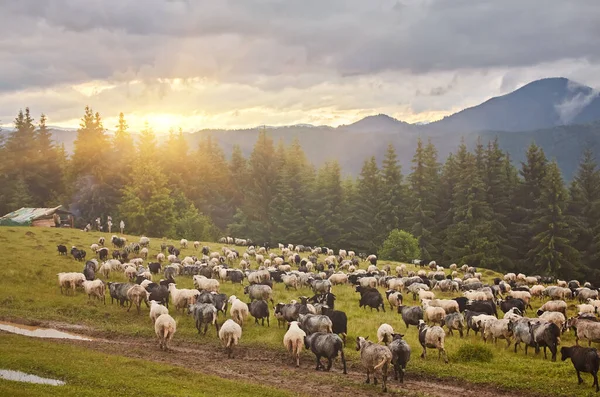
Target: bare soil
(270,367)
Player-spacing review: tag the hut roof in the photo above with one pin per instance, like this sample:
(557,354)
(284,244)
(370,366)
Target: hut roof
(27,215)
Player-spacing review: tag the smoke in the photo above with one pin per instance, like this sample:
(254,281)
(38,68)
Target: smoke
(572,106)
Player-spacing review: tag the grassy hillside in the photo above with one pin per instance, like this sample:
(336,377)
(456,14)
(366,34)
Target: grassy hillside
(30,291)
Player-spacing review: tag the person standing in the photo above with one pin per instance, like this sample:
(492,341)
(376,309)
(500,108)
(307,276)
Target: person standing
(122,226)
(109,224)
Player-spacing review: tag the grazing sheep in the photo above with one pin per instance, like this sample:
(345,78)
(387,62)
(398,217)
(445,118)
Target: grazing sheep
(156,309)
(584,359)
(525,296)
(426,295)
(182,298)
(204,314)
(585,329)
(497,329)
(375,358)
(545,334)
(585,294)
(136,295)
(553,306)
(384,334)
(203,283)
(433,338)
(455,321)
(434,314)
(411,314)
(230,334)
(312,323)
(293,340)
(400,356)
(70,281)
(394,298)
(165,327)
(239,310)
(325,345)
(290,281)
(259,310)
(95,288)
(183,243)
(449,305)
(554,317)
(338,278)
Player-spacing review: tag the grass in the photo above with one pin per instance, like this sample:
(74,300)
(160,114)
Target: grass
(89,373)
(30,291)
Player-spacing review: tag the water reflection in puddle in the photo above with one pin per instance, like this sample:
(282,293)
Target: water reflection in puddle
(23,377)
(37,332)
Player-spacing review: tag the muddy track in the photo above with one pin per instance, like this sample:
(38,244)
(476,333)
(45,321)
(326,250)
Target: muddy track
(271,368)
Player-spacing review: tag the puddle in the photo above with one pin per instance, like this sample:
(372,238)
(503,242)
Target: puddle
(37,332)
(23,377)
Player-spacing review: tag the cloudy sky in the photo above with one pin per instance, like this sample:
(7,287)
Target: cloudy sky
(240,63)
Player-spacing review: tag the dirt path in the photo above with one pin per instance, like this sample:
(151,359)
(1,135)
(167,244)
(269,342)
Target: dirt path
(271,368)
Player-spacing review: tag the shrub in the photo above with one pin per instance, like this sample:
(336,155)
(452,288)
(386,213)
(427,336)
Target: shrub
(474,352)
(400,246)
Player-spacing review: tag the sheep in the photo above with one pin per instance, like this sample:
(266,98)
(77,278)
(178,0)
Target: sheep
(487,307)
(370,297)
(475,295)
(384,334)
(454,321)
(545,334)
(584,294)
(182,298)
(338,278)
(509,304)
(585,329)
(595,303)
(136,295)
(449,305)
(411,314)
(368,282)
(290,281)
(433,338)
(206,284)
(513,314)
(312,323)
(325,345)
(497,329)
(258,292)
(394,298)
(586,308)
(183,243)
(584,359)
(70,281)
(160,257)
(204,314)
(434,314)
(537,290)
(144,253)
(400,356)
(230,334)
(164,327)
(239,310)
(553,306)
(259,310)
(293,340)
(156,309)
(95,288)
(375,358)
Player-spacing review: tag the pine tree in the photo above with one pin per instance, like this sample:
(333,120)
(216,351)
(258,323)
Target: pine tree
(369,217)
(552,252)
(448,183)
(238,171)
(327,203)
(394,194)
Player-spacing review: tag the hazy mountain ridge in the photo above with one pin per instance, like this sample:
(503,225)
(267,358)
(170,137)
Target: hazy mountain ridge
(559,115)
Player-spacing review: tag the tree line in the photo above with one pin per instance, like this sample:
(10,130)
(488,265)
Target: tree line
(475,208)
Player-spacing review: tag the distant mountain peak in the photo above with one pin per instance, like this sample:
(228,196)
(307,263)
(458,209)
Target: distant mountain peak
(375,123)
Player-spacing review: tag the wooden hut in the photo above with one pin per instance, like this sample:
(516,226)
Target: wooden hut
(45,217)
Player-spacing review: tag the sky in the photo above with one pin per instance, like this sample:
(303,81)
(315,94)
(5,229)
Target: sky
(200,64)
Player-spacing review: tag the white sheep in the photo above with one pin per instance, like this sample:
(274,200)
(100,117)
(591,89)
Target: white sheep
(136,295)
(434,314)
(105,269)
(160,257)
(70,281)
(182,298)
(196,244)
(165,327)
(433,338)
(183,243)
(338,278)
(156,309)
(239,310)
(144,253)
(96,288)
(586,308)
(497,329)
(385,334)
(206,284)
(554,317)
(230,334)
(293,340)
(426,295)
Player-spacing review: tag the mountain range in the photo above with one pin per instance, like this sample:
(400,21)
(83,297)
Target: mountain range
(561,116)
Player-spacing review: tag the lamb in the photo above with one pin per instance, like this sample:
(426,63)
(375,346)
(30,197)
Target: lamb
(375,358)
(497,329)
(400,356)
(259,310)
(312,323)
(239,310)
(258,292)
(230,334)
(553,306)
(204,314)
(434,314)
(206,284)
(144,253)
(95,288)
(182,298)
(584,359)
(293,340)
(164,327)
(325,345)
(433,338)
(513,314)
(454,321)
(70,281)
(411,314)
(156,309)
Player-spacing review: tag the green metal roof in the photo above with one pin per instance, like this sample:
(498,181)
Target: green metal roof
(27,215)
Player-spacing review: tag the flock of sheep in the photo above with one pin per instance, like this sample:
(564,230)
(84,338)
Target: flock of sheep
(314,324)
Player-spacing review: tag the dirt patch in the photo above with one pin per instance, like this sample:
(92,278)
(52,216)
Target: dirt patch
(272,368)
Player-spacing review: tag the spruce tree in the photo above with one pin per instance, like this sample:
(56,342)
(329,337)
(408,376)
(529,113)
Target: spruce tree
(394,194)
(552,251)
(369,220)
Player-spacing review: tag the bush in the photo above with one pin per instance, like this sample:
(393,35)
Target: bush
(400,246)
(477,353)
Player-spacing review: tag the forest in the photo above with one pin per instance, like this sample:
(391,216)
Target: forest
(475,207)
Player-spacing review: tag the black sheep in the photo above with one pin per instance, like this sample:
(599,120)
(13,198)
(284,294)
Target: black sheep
(400,356)
(584,359)
(462,303)
(62,249)
(154,267)
(259,309)
(508,304)
(339,321)
(159,293)
(102,254)
(487,307)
